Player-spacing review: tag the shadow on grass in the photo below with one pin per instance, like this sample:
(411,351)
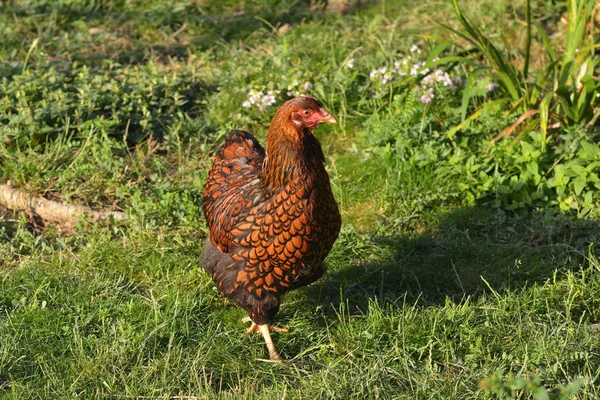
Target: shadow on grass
(8,224)
(471,252)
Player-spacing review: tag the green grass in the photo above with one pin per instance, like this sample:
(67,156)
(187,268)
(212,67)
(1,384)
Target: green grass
(432,292)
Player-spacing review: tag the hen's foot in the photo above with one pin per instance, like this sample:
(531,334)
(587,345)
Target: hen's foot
(265,330)
(254,327)
(273,355)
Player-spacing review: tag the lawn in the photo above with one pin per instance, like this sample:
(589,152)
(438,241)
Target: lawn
(466,266)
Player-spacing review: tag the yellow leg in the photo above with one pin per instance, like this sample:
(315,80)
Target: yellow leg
(265,330)
(273,355)
(279,329)
(254,327)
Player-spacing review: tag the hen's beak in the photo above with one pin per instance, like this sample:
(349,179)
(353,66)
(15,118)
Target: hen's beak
(326,117)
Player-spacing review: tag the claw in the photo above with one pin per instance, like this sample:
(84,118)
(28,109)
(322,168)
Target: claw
(265,330)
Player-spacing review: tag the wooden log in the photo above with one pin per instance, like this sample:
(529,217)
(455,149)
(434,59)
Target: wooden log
(64,214)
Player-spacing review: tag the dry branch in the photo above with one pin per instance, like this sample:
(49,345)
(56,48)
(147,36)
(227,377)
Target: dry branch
(50,211)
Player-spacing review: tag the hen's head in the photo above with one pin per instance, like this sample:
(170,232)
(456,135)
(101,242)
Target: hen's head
(302,114)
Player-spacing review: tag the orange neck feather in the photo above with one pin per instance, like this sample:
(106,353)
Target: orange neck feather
(291,153)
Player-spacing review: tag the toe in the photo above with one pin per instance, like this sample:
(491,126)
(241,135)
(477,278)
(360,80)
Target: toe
(252,329)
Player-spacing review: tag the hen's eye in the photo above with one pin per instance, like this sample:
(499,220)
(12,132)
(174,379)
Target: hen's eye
(306,113)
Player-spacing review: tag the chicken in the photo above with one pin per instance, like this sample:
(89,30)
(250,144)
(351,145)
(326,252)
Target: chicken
(272,218)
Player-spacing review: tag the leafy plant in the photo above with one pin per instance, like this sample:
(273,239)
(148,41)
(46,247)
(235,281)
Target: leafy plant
(564,93)
(514,387)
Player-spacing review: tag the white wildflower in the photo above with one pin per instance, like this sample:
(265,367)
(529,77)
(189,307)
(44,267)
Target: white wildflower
(428,96)
(398,67)
(447,81)
(414,71)
(491,86)
(382,74)
(261,100)
(350,63)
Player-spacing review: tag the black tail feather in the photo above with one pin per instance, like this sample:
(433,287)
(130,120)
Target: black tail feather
(212,258)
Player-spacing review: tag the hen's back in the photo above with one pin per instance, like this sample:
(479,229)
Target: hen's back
(232,186)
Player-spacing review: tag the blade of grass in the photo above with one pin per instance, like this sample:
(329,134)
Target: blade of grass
(544,110)
(445,60)
(437,51)
(540,83)
(31,48)
(468,93)
(545,40)
(528,39)
(508,84)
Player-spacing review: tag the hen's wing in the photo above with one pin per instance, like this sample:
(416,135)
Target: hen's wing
(232,186)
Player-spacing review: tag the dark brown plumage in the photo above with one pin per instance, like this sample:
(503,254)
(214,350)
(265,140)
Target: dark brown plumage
(272,218)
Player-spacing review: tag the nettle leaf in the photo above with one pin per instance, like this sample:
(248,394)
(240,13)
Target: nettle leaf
(559,171)
(589,151)
(560,183)
(576,170)
(517,185)
(527,147)
(533,168)
(592,176)
(579,184)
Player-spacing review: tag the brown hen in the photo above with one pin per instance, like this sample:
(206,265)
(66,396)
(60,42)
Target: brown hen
(272,218)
